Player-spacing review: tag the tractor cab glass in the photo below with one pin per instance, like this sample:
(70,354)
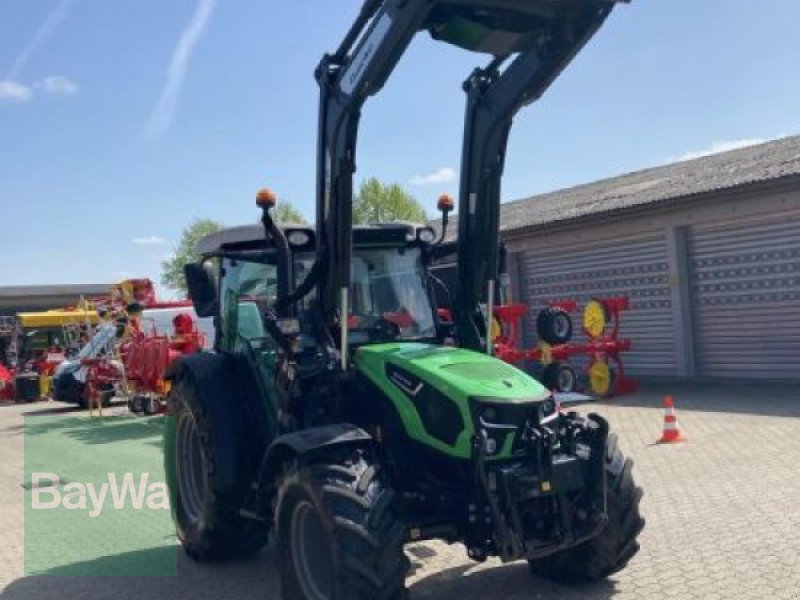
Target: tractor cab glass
(389,296)
(249,289)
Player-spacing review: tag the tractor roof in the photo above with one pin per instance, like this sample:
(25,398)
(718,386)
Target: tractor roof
(251,237)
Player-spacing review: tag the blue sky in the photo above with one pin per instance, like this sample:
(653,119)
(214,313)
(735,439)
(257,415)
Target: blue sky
(122,120)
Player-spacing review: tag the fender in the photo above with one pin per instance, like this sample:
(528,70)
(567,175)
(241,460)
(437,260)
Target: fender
(199,366)
(304,445)
(214,375)
(236,401)
(317,438)
(307,443)
(218,390)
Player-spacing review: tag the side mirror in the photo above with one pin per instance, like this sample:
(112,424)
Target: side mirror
(203,289)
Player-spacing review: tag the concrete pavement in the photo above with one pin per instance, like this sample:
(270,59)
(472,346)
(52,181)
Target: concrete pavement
(722,510)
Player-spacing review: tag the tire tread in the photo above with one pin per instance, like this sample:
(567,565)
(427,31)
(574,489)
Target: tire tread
(614,546)
(366,535)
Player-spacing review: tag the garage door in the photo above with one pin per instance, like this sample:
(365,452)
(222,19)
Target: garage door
(746,299)
(636,267)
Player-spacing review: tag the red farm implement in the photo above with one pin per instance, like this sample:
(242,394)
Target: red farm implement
(147,358)
(605,370)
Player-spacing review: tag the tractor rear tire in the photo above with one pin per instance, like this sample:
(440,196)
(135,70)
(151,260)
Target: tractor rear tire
(205,462)
(610,551)
(337,534)
(554,325)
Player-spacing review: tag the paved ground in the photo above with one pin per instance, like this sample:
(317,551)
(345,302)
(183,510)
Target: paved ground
(723,515)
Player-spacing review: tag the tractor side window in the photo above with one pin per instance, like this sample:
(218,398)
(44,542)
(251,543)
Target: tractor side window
(249,288)
(250,325)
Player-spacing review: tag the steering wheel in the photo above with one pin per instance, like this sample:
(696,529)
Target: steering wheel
(402,318)
(377,327)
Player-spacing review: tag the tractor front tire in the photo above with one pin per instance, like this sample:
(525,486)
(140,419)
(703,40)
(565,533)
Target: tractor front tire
(204,461)
(337,535)
(610,551)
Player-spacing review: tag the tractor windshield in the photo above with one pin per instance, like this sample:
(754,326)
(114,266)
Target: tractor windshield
(388,287)
(389,297)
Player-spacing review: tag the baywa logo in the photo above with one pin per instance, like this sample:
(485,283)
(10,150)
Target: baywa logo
(114,493)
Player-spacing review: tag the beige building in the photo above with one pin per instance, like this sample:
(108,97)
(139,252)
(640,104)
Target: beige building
(708,251)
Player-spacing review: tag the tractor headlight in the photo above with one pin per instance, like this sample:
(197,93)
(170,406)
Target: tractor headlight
(500,414)
(502,419)
(489,414)
(499,419)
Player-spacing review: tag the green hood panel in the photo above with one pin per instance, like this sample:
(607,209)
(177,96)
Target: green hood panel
(454,372)
(457,371)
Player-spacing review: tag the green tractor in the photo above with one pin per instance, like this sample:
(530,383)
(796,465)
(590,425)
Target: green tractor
(332,416)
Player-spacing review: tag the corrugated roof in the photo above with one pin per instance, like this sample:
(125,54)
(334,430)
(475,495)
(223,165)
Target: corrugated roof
(686,179)
(35,291)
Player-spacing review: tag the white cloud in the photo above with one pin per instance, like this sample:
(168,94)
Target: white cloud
(717,147)
(13,91)
(443,175)
(45,30)
(56,84)
(164,111)
(149,240)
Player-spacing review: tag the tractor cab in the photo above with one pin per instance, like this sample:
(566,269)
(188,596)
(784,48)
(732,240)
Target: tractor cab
(390,288)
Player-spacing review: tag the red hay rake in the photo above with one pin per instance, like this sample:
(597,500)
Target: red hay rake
(605,371)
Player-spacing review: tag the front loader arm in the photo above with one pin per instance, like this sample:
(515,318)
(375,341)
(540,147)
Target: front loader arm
(347,78)
(542,34)
(493,99)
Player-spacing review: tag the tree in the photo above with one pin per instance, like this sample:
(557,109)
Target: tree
(377,202)
(186,252)
(286,213)
(172,269)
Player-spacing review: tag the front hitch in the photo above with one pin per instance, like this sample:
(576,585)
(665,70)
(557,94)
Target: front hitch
(552,499)
(597,485)
(483,539)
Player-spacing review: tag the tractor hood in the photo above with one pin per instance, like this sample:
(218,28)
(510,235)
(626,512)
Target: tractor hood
(455,372)
(435,390)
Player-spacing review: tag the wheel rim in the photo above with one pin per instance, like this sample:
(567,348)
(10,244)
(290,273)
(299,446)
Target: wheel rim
(600,378)
(311,556)
(566,380)
(561,326)
(594,318)
(191,471)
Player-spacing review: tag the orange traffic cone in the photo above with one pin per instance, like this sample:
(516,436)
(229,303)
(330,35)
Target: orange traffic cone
(672,432)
